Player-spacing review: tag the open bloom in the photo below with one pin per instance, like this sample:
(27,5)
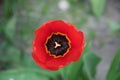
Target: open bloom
(57,43)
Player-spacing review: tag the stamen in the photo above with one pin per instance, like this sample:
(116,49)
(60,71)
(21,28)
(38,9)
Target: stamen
(57,44)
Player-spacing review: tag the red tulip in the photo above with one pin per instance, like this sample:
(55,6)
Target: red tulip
(57,44)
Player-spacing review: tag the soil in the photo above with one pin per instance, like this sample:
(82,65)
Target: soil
(110,44)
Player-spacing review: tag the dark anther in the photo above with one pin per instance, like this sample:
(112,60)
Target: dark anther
(57,44)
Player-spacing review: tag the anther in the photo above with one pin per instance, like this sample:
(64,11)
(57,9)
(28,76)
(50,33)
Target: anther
(57,45)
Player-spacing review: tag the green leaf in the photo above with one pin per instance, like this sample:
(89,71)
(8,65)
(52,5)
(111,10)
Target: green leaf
(87,47)
(90,61)
(28,62)
(71,72)
(8,8)
(10,28)
(117,77)
(63,72)
(11,57)
(74,70)
(11,54)
(1,28)
(113,70)
(76,67)
(22,75)
(113,25)
(97,7)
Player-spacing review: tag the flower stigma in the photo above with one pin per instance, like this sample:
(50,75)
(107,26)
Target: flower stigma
(57,45)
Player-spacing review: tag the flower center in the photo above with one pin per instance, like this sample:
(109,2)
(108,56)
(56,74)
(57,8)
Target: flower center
(57,44)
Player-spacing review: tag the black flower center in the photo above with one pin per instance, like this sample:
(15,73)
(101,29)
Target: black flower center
(57,44)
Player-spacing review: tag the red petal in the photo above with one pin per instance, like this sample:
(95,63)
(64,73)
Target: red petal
(72,55)
(39,50)
(43,65)
(38,61)
(80,48)
(42,33)
(68,29)
(58,62)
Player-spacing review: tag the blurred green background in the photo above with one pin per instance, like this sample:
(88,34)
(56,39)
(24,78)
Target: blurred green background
(98,19)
